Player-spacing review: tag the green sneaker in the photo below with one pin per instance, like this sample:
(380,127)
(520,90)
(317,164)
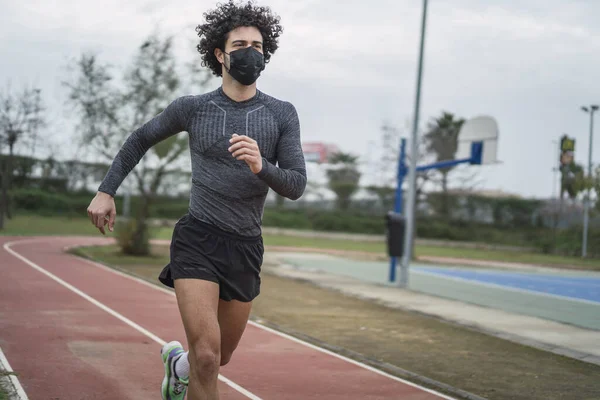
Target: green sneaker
(173,387)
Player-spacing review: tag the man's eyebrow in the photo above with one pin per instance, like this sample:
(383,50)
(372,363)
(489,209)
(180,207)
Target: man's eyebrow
(244,41)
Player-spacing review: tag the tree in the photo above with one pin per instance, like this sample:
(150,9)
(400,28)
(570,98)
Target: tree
(442,141)
(20,120)
(343,177)
(578,182)
(573,180)
(22,169)
(110,112)
(387,165)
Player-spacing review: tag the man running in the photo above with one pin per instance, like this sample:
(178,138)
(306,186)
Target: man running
(237,135)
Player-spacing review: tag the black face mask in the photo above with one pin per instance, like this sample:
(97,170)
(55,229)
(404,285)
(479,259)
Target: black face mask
(245,65)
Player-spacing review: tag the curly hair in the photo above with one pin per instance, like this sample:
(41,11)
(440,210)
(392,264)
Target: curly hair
(229,16)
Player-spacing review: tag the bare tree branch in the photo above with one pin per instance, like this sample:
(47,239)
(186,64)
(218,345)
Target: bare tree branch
(20,119)
(111,112)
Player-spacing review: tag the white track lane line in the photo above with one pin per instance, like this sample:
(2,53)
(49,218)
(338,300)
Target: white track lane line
(7,247)
(273,331)
(18,389)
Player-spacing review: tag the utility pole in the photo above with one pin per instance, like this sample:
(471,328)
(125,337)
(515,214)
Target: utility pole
(586,206)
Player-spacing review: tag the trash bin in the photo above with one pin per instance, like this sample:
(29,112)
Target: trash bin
(396,226)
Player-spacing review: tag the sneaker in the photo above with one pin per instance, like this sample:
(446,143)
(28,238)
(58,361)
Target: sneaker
(173,387)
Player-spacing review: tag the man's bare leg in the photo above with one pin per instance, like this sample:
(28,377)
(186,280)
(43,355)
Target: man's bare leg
(233,316)
(198,302)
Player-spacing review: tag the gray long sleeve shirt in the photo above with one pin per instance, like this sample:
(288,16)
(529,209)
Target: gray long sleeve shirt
(224,192)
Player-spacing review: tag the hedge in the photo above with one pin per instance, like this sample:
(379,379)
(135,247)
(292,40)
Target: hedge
(46,203)
(567,242)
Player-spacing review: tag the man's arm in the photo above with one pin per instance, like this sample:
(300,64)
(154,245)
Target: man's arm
(289,180)
(171,121)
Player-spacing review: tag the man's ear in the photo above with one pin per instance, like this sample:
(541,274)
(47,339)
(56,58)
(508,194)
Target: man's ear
(220,55)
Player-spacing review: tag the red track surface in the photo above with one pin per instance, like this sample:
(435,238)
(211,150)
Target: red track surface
(82,331)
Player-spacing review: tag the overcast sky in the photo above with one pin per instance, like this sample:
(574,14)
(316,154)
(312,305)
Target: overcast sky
(531,64)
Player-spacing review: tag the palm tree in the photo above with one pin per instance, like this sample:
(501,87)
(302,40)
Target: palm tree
(442,139)
(343,177)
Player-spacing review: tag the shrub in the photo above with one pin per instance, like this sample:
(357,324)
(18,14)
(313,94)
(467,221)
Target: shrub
(127,240)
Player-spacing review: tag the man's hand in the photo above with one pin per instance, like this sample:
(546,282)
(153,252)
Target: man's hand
(245,148)
(102,210)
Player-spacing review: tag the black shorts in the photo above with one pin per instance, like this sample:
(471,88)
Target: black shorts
(202,251)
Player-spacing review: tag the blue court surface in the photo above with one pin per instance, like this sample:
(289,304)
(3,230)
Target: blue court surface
(566,296)
(585,288)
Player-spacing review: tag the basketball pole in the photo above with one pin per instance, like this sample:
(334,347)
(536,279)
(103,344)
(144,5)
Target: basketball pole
(412,171)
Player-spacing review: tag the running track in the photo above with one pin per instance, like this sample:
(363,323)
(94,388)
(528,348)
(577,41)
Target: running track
(73,329)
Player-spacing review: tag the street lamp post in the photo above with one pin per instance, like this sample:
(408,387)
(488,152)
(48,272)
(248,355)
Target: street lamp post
(586,206)
(556,168)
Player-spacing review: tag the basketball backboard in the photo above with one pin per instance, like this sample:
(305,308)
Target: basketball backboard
(479,129)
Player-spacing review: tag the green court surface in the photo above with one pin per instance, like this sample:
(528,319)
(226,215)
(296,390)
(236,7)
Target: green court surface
(565,296)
